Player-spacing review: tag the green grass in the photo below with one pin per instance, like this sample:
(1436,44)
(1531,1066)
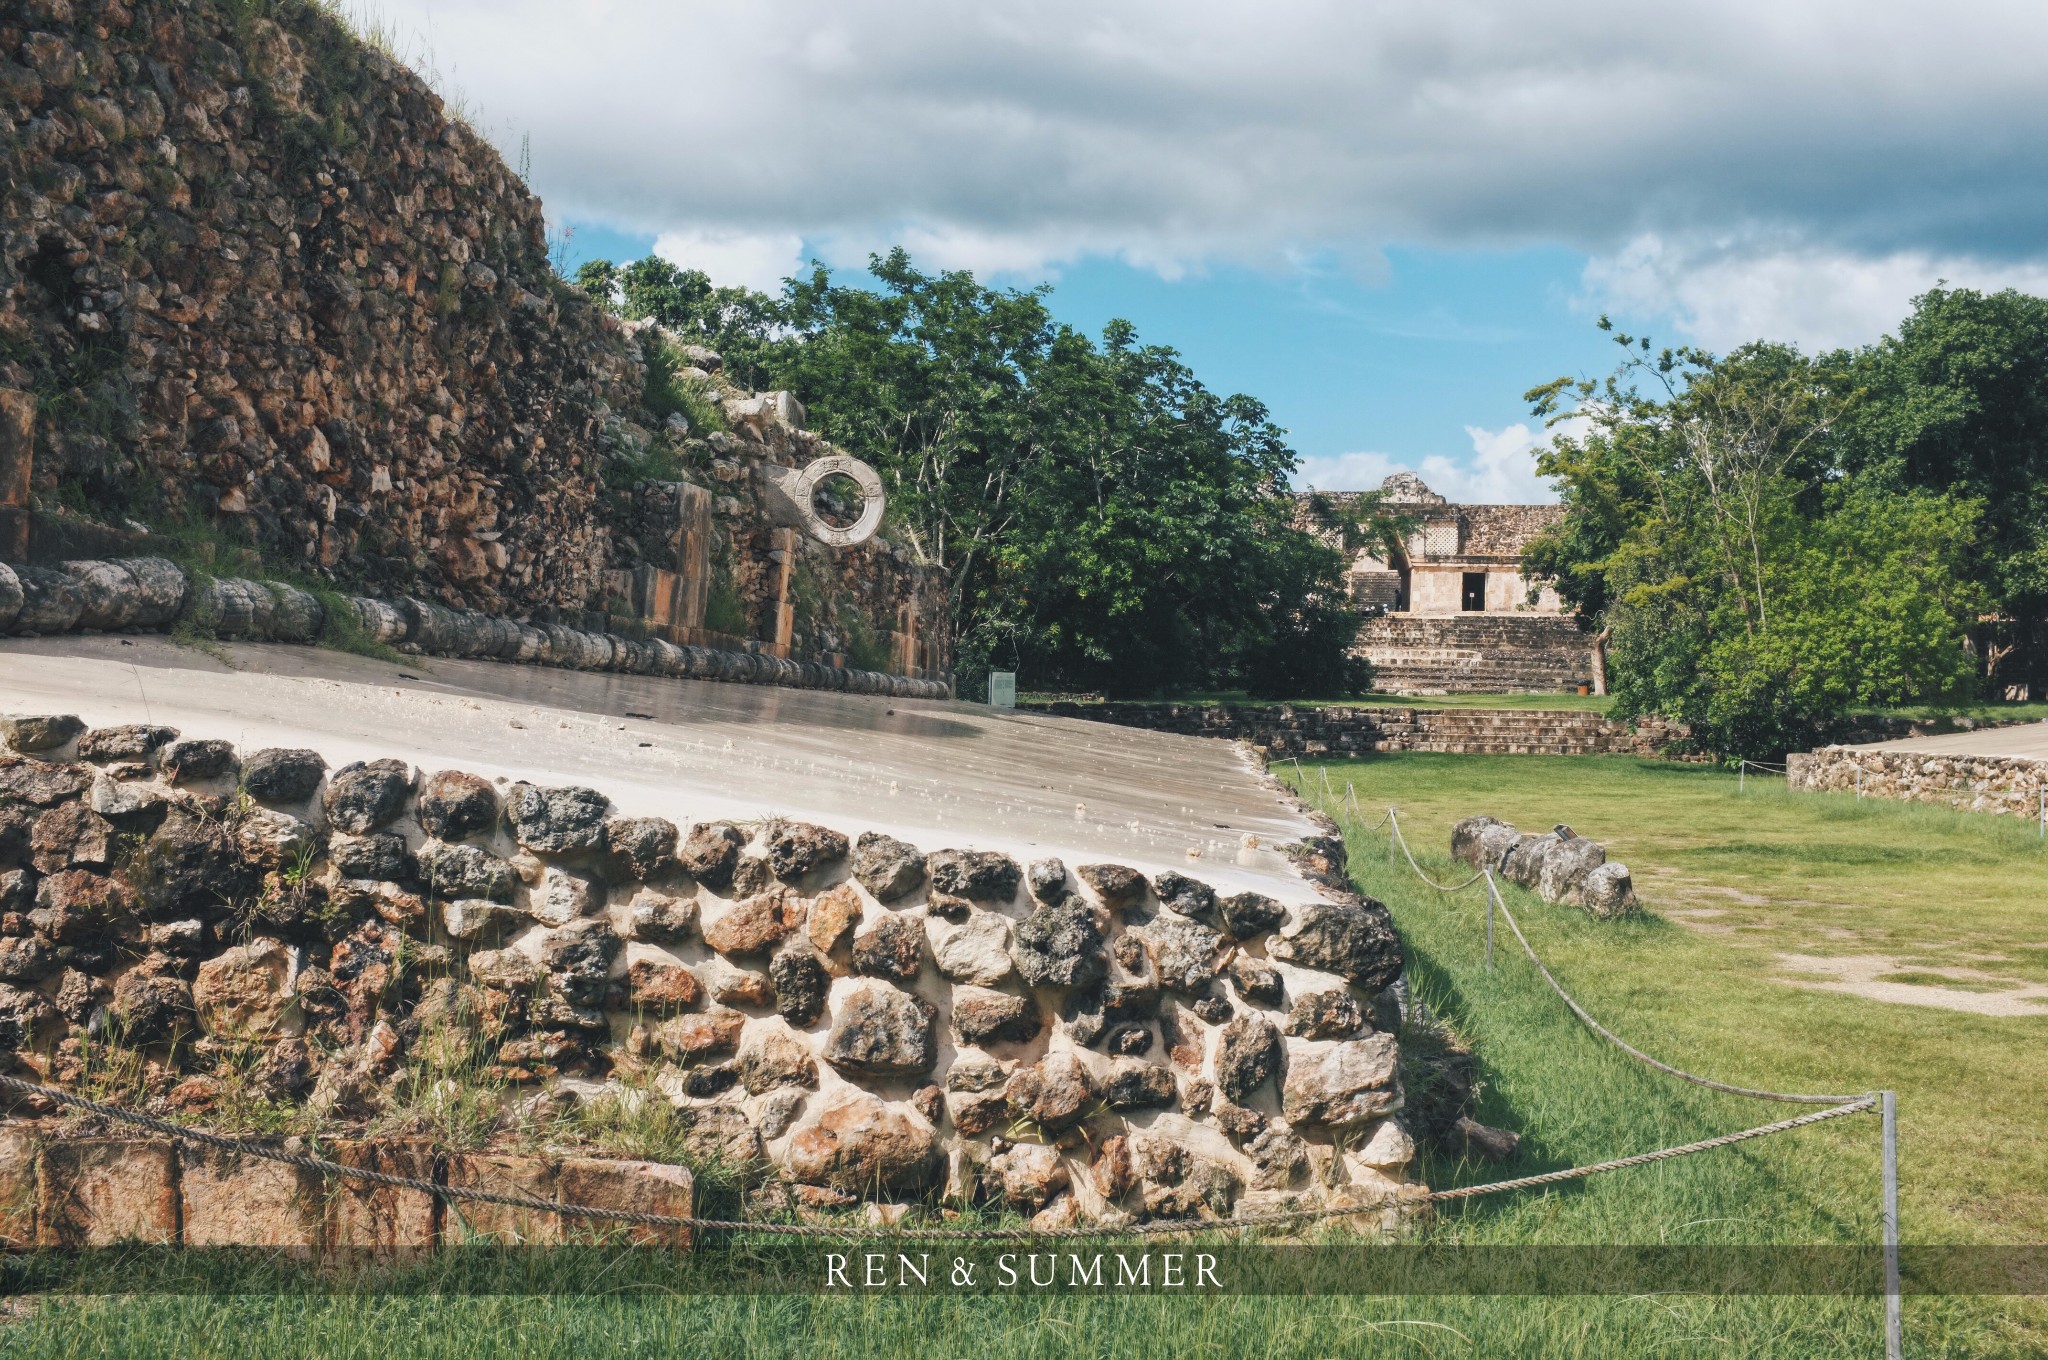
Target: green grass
(1824,875)
(1987,711)
(1577,703)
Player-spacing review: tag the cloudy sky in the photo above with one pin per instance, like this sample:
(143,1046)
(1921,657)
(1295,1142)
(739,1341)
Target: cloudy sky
(1387,220)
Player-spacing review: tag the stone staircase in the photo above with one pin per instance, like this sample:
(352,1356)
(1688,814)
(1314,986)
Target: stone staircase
(1474,653)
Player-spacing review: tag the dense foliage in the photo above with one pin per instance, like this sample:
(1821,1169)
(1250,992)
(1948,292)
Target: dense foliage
(1104,520)
(1957,403)
(1758,571)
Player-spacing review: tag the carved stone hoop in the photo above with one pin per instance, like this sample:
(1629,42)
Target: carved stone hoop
(796,490)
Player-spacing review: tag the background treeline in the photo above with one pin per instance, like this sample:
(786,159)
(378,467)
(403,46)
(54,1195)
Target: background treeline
(1104,521)
(1767,539)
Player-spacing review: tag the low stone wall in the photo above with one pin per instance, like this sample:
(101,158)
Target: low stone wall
(73,1192)
(850,1015)
(2008,784)
(139,594)
(1289,730)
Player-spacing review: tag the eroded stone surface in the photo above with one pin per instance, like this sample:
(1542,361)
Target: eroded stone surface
(754,926)
(711,852)
(861,1143)
(888,868)
(1247,1056)
(978,875)
(283,775)
(1060,946)
(556,821)
(1340,1085)
(1117,885)
(975,951)
(880,1031)
(893,947)
(365,796)
(454,806)
(981,1016)
(1356,941)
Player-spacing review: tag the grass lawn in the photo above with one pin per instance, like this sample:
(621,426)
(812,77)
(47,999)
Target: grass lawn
(1580,703)
(1754,900)
(1577,703)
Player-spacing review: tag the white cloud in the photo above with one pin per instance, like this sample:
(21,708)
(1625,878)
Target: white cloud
(757,260)
(1501,470)
(1175,133)
(1724,293)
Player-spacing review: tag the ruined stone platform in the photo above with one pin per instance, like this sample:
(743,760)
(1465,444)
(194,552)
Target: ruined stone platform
(932,772)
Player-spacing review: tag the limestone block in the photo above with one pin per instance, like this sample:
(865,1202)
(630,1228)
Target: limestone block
(95,1192)
(17,1187)
(359,1216)
(467,1221)
(639,1187)
(231,1200)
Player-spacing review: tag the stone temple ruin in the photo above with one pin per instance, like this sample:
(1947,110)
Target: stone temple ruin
(638,781)
(840,1017)
(1451,610)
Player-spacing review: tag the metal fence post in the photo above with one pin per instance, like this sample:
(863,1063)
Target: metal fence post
(1894,1321)
(1489,922)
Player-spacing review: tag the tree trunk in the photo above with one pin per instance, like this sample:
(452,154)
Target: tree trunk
(1600,660)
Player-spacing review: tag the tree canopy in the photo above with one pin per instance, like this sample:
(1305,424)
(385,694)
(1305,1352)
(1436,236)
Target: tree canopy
(1103,519)
(1758,572)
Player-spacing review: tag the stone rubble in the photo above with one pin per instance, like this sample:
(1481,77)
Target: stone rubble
(1559,866)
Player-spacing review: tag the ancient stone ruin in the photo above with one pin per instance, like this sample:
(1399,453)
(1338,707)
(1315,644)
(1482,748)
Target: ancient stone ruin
(258,286)
(1558,865)
(143,594)
(1451,611)
(839,1014)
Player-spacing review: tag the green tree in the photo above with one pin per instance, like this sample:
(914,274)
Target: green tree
(1748,586)
(1100,517)
(1958,403)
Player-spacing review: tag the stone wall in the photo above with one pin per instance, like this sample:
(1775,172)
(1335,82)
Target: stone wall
(846,1014)
(253,276)
(2005,784)
(59,1189)
(255,271)
(136,595)
(1283,730)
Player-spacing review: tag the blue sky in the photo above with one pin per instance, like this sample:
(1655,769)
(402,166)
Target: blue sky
(1410,367)
(1385,220)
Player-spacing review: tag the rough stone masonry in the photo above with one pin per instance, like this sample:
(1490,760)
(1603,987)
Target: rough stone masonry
(255,278)
(844,1013)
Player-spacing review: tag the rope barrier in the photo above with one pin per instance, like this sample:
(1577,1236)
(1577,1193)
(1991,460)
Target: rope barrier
(1501,905)
(1163,1227)
(1841,1106)
(1884,1101)
(1402,841)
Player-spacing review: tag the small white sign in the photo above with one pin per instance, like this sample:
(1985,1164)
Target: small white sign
(1002,689)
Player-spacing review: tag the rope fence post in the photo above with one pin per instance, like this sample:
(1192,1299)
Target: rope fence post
(1859,781)
(1489,920)
(1894,1313)
(1741,776)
